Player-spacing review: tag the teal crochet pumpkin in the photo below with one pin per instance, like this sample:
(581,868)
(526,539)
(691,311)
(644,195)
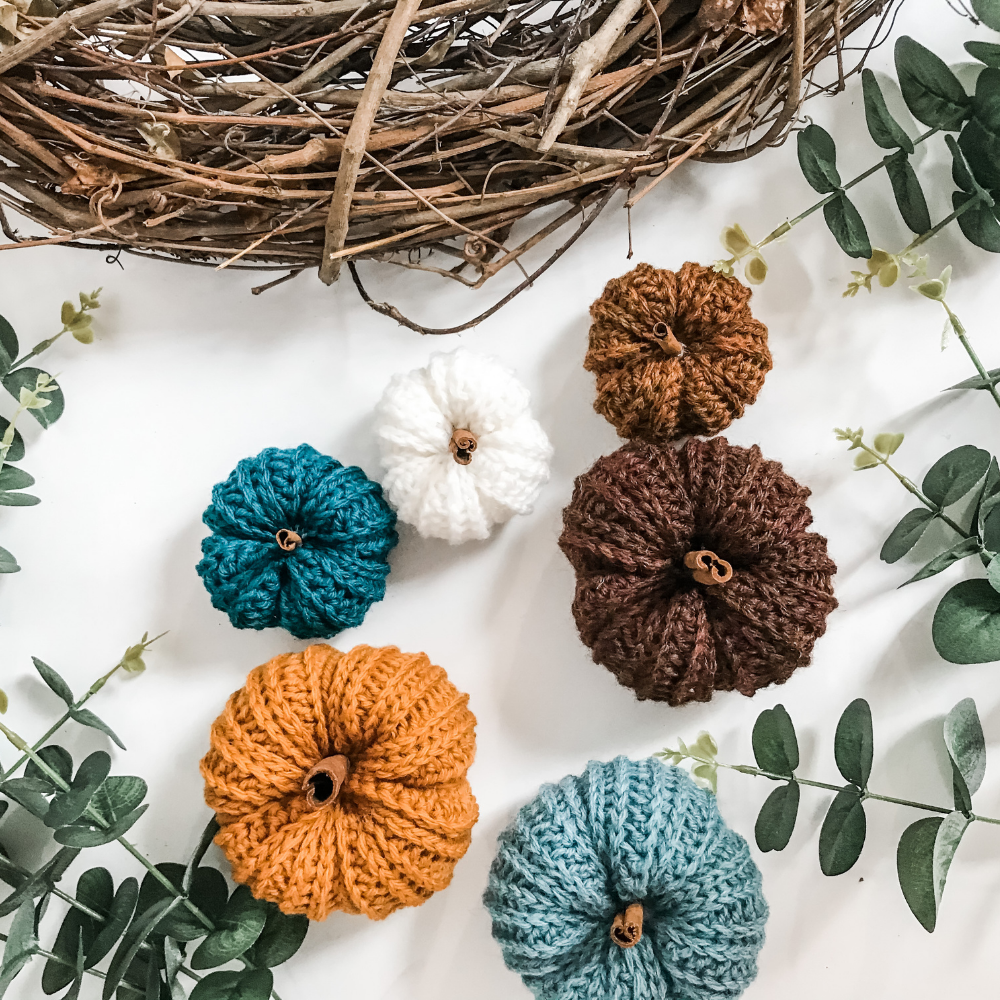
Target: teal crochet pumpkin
(625,884)
(298,541)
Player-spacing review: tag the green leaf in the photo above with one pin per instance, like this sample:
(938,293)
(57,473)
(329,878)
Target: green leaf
(888,444)
(989,499)
(978,224)
(842,835)
(29,793)
(84,834)
(137,933)
(931,91)
(66,807)
(923,858)
(775,747)
(57,758)
(120,795)
(966,626)
(207,836)
(41,882)
(8,564)
(776,819)
(235,931)
(853,743)
(988,11)
(962,549)
(250,984)
(985,52)
(847,226)
(908,194)
(27,378)
(77,928)
(54,680)
(818,158)
(16,452)
(18,500)
(978,383)
(281,937)
(963,737)
(906,534)
(13,478)
(21,945)
(153,891)
(989,529)
(87,718)
(954,474)
(865,461)
(208,891)
(9,349)
(119,915)
(884,129)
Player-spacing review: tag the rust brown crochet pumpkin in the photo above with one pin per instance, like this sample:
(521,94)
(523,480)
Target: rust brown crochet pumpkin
(695,571)
(675,353)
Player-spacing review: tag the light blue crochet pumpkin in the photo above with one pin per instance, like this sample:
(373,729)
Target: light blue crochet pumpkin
(571,868)
(298,541)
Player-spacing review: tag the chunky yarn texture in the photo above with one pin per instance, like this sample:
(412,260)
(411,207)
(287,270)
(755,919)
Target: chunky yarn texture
(633,524)
(298,541)
(458,494)
(675,353)
(392,832)
(587,850)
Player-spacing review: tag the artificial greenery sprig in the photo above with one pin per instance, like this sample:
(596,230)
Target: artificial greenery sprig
(926,848)
(38,393)
(149,927)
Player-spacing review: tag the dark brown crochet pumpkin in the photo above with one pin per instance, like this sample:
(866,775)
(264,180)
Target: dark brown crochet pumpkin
(675,353)
(695,569)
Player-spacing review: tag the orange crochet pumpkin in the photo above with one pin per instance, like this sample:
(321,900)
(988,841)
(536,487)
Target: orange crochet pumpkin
(339,780)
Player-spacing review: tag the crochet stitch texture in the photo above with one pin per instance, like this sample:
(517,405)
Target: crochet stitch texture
(445,494)
(622,833)
(675,353)
(632,521)
(403,817)
(333,568)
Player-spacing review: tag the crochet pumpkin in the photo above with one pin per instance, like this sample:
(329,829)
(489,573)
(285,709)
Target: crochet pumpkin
(625,883)
(695,571)
(675,353)
(338,780)
(460,447)
(298,541)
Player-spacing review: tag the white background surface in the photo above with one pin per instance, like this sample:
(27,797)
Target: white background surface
(190,373)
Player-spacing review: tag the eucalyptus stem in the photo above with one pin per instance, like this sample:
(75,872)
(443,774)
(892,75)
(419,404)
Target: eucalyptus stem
(864,794)
(956,325)
(935,229)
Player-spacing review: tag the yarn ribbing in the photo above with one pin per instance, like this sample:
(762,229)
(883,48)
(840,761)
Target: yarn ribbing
(634,520)
(675,353)
(586,850)
(391,833)
(298,541)
(460,447)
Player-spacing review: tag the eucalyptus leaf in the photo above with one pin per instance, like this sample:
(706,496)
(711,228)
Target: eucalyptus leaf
(54,680)
(16,452)
(978,224)
(906,534)
(281,938)
(775,746)
(21,945)
(884,129)
(954,474)
(21,378)
(993,573)
(986,101)
(962,549)
(963,737)
(776,819)
(66,807)
(842,836)
(208,891)
(853,743)
(988,11)
(9,348)
(8,499)
(57,759)
(923,858)
(847,226)
(41,882)
(83,834)
(250,984)
(87,718)
(119,915)
(931,91)
(207,837)
(236,930)
(966,625)
(138,931)
(978,383)
(990,529)
(986,52)
(908,194)
(29,793)
(8,564)
(77,928)
(818,158)
(888,444)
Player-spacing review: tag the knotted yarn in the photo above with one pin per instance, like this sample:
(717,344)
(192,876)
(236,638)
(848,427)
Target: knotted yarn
(695,571)
(339,780)
(675,353)
(298,541)
(624,883)
(460,448)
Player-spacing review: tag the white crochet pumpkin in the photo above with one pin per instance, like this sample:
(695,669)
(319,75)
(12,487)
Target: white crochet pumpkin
(460,447)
